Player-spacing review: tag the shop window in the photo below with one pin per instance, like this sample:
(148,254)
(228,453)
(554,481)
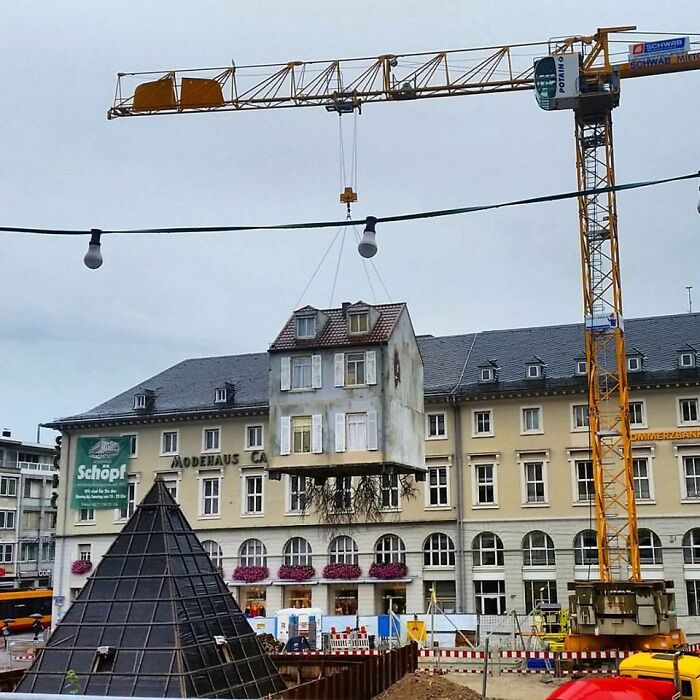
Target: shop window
(393,598)
(445,595)
(345,601)
(490,597)
(297,597)
(254,599)
(539,592)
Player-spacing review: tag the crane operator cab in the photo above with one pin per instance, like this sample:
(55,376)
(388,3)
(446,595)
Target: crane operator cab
(679,668)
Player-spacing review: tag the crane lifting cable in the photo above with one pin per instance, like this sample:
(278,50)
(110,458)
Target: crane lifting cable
(348,186)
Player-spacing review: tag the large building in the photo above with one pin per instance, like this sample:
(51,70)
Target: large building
(503,519)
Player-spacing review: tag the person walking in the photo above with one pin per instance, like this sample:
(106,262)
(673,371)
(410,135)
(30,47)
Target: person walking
(37,628)
(5,634)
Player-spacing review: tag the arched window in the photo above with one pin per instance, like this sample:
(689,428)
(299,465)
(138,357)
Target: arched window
(297,551)
(390,549)
(342,550)
(585,548)
(538,549)
(252,553)
(691,546)
(215,553)
(649,547)
(488,550)
(438,550)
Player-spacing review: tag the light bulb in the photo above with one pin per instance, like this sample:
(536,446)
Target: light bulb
(93,257)
(368,245)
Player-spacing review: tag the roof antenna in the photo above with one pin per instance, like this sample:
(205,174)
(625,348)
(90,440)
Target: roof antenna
(689,288)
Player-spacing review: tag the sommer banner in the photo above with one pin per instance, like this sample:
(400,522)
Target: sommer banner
(100,473)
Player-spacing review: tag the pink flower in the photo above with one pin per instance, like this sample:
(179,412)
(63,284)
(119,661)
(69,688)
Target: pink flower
(250,574)
(344,571)
(296,572)
(387,571)
(81,566)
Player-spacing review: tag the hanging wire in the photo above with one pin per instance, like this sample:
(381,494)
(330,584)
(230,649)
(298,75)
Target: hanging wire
(341,152)
(318,267)
(364,267)
(354,150)
(337,267)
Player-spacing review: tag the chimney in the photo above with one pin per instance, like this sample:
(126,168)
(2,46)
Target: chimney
(346,306)
(6,433)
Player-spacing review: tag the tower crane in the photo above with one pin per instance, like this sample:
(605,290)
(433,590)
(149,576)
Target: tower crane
(579,73)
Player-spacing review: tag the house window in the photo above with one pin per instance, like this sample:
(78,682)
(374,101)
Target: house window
(586,549)
(7,519)
(487,550)
(301,434)
(354,368)
(254,437)
(691,476)
(127,510)
(538,549)
(301,372)
(634,363)
(220,395)
(86,515)
(693,590)
(485,483)
(483,425)
(637,418)
(48,551)
(297,493)
(297,552)
(389,491)
(390,549)
(642,480)
(585,486)
(358,321)
(531,420)
(85,552)
(581,367)
(32,488)
(534,371)
(649,547)
(210,503)
(539,592)
(139,401)
(216,554)
(686,359)
(29,551)
(8,486)
(535,487)
(342,493)
(438,494)
(306,326)
(252,553)
(6,553)
(133,445)
(691,546)
(168,445)
(343,550)
(486,374)
(580,416)
(254,494)
(356,432)
(688,411)
(211,440)
(438,550)
(490,597)
(436,427)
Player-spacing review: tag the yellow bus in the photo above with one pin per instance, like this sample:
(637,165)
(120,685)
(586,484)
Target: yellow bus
(20,605)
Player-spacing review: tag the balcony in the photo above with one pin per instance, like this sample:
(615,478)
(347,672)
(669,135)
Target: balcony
(46,467)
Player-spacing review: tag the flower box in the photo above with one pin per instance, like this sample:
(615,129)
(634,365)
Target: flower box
(296,572)
(81,566)
(342,571)
(388,571)
(250,574)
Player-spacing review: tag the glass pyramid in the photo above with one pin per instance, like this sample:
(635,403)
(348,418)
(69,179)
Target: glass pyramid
(154,620)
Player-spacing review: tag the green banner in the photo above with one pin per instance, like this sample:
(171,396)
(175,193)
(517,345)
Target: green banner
(100,479)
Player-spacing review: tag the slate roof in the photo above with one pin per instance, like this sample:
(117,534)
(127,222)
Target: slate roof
(450,368)
(335,332)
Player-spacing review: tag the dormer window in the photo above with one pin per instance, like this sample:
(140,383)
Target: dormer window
(220,395)
(634,363)
(140,401)
(486,374)
(581,367)
(533,371)
(306,326)
(358,322)
(686,359)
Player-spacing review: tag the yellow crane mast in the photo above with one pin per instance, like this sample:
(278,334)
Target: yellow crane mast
(576,73)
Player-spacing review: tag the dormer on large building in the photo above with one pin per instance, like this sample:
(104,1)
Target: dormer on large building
(346,393)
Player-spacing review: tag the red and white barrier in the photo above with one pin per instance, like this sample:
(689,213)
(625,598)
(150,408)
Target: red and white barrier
(451,653)
(604,654)
(515,654)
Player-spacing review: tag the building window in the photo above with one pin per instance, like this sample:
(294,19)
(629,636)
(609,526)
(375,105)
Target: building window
(354,368)
(580,416)
(253,494)
(168,442)
(581,367)
(538,593)
(170,482)
(8,486)
(215,553)
(585,486)
(220,395)
(6,553)
(533,371)
(686,359)
(485,484)
(538,549)
(306,326)
(32,488)
(438,493)
(688,411)
(649,547)
(301,372)
(254,437)
(301,434)
(482,423)
(86,515)
(438,550)
(642,479)
(634,363)
(252,553)
(691,476)
(133,445)
(436,427)
(535,486)
(390,549)
(342,493)
(487,550)
(85,552)
(389,495)
(486,374)
(691,546)
(140,401)
(342,550)
(637,419)
(531,420)
(356,432)
(211,440)
(7,519)
(127,510)
(693,590)
(29,551)
(210,503)
(490,597)
(586,549)
(358,322)
(297,552)
(297,493)
(48,551)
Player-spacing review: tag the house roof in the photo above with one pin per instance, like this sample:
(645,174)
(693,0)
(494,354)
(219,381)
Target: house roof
(155,619)
(451,368)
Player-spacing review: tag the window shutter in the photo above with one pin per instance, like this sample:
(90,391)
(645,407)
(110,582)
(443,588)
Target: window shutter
(285,430)
(340,432)
(372,430)
(371,366)
(286,374)
(316,372)
(339,369)
(317,433)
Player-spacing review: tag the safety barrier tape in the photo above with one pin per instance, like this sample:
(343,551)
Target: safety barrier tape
(452,653)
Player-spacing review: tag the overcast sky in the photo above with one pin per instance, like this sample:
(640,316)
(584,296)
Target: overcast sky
(71,337)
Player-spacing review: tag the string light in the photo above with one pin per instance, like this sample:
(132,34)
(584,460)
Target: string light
(93,257)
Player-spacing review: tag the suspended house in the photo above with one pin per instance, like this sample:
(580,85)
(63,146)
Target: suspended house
(154,620)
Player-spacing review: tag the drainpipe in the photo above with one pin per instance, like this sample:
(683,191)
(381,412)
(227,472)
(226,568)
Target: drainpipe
(461,568)
(677,672)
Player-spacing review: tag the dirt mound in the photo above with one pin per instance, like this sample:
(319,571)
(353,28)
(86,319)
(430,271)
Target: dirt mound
(424,686)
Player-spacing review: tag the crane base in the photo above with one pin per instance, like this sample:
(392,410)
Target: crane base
(642,642)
